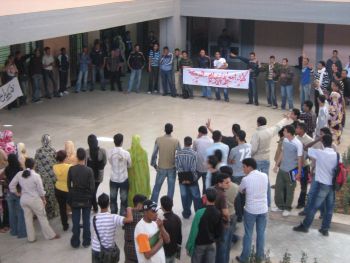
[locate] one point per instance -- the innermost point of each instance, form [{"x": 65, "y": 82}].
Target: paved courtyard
[{"x": 105, "y": 113}]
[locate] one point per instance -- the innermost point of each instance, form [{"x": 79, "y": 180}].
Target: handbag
[{"x": 107, "y": 255}]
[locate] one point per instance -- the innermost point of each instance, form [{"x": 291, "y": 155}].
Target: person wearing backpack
[{"x": 327, "y": 162}]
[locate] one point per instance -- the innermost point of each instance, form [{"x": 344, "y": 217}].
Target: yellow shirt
[{"x": 61, "y": 173}]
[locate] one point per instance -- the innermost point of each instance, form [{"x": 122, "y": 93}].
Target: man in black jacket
[{"x": 81, "y": 185}]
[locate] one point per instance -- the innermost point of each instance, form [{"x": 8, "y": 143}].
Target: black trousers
[
  {"x": 94, "y": 200},
  {"x": 62, "y": 197},
  {"x": 5, "y": 217},
  {"x": 115, "y": 78},
  {"x": 303, "y": 187},
  {"x": 63, "y": 75},
  {"x": 153, "y": 79},
  {"x": 240, "y": 199},
  {"x": 317, "y": 106}
]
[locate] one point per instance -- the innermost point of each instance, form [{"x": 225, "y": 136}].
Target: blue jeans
[
  {"x": 264, "y": 167},
  {"x": 322, "y": 194},
  {"x": 249, "y": 222},
  {"x": 287, "y": 93},
  {"x": 310, "y": 196},
  {"x": 101, "y": 73},
  {"x": 170, "y": 174},
  {"x": 37, "y": 78},
  {"x": 204, "y": 176},
  {"x": 123, "y": 189},
  {"x": 76, "y": 215},
  {"x": 83, "y": 75},
  {"x": 218, "y": 96},
  {"x": 271, "y": 93},
  {"x": 305, "y": 93},
  {"x": 167, "y": 82},
  {"x": 16, "y": 216},
  {"x": 190, "y": 193},
  {"x": 223, "y": 246},
  {"x": 253, "y": 91},
  {"x": 135, "y": 76},
  {"x": 206, "y": 92}
]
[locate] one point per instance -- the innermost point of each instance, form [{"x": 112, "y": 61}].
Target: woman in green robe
[{"x": 139, "y": 172}]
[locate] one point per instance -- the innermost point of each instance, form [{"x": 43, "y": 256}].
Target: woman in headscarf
[
  {"x": 71, "y": 153},
  {"x": 22, "y": 154},
  {"x": 96, "y": 159},
  {"x": 138, "y": 174},
  {"x": 45, "y": 158},
  {"x": 336, "y": 112}
]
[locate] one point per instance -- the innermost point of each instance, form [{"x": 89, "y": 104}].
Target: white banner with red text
[
  {"x": 221, "y": 78},
  {"x": 9, "y": 92}
]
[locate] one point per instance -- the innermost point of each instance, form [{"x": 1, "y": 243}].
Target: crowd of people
[
  {"x": 111, "y": 60},
  {"x": 234, "y": 174},
  {"x": 235, "y": 188}
]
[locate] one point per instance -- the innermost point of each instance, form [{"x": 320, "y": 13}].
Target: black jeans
[
  {"x": 48, "y": 74},
  {"x": 94, "y": 200},
  {"x": 240, "y": 199},
  {"x": 63, "y": 80},
  {"x": 153, "y": 79},
  {"x": 317, "y": 106},
  {"x": 4, "y": 221},
  {"x": 123, "y": 189},
  {"x": 115, "y": 78},
  {"x": 62, "y": 197},
  {"x": 303, "y": 187}
]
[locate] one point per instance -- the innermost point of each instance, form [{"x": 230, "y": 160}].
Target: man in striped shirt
[
  {"x": 153, "y": 69},
  {"x": 323, "y": 78},
  {"x": 186, "y": 166},
  {"x": 105, "y": 226}
]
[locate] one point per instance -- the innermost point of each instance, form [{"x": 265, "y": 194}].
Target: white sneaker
[
  {"x": 149, "y": 92},
  {"x": 285, "y": 213},
  {"x": 60, "y": 94},
  {"x": 65, "y": 92},
  {"x": 276, "y": 209}
]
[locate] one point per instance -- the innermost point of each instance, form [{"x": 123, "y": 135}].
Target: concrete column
[
  {"x": 172, "y": 30},
  {"x": 309, "y": 43},
  {"x": 319, "y": 41}
]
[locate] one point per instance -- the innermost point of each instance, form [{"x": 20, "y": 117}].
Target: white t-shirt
[
  {"x": 326, "y": 160},
  {"x": 255, "y": 185},
  {"x": 218, "y": 63},
  {"x": 106, "y": 224},
  {"x": 143, "y": 232},
  {"x": 47, "y": 60}
]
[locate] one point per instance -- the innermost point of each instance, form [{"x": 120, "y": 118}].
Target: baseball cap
[{"x": 150, "y": 205}]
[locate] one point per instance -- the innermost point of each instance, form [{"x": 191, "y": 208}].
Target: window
[{"x": 4, "y": 53}]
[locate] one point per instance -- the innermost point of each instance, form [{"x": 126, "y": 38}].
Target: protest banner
[
  {"x": 221, "y": 78},
  {"x": 9, "y": 92}
]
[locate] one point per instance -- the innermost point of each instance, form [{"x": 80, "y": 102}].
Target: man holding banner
[{"x": 220, "y": 63}]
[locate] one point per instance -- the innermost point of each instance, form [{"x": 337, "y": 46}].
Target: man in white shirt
[
  {"x": 220, "y": 63},
  {"x": 326, "y": 161},
  {"x": 120, "y": 162},
  {"x": 105, "y": 225},
  {"x": 200, "y": 145},
  {"x": 254, "y": 185},
  {"x": 218, "y": 145},
  {"x": 323, "y": 115},
  {"x": 150, "y": 235},
  {"x": 48, "y": 64},
  {"x": 289, "y": 165}
]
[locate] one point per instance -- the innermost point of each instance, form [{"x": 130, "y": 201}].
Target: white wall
[
  {"x": 316, "y": 11},
  {"x": 20, "y": 28}
]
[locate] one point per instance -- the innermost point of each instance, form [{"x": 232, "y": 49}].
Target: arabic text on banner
[{"x": 236, "y": 79}]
